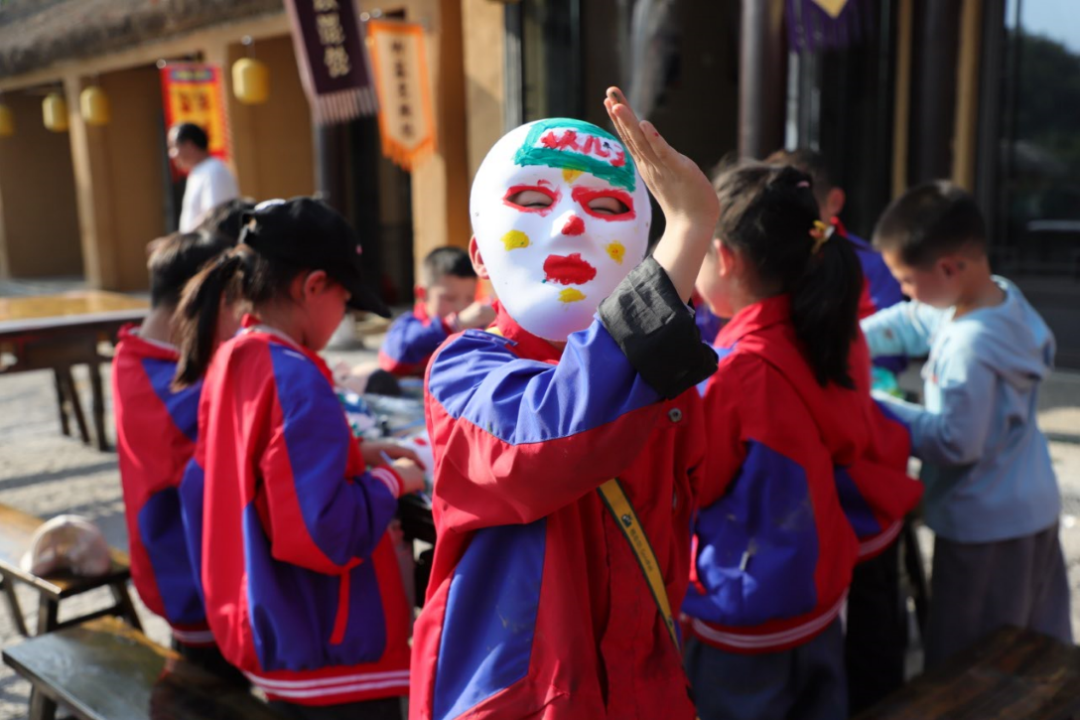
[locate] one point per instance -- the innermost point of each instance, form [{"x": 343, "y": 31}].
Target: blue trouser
[{"x": 804, "y": 683}]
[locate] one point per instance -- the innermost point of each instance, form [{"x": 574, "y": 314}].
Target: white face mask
[{"x": 582, "y": 223}]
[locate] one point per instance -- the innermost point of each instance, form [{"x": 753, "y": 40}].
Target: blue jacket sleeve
[
  {"x": 903, "y": 329},
  {"x": 516, "y": 439},
  {"x": 409, "y": 345},
  {"x": 956, "y": 432},
  {"x": 325, "y": 512}
]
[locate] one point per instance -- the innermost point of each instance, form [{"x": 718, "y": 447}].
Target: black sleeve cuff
[{"x": 656, "y": 331}]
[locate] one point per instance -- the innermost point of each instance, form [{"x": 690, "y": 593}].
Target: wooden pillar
[
  {"x": 440, "y": 200},
  {"x": 484, "y": 32},
  {"x": 90, "y": 161},
  {"x": 936, "y": 38},
  {"x": 762, "y": 78},
  {"x": 966, "y": 132},
  {"x": 902, "y": 98}
]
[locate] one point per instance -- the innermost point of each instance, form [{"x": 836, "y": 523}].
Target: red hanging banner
[{"x": 192, "y": 93}]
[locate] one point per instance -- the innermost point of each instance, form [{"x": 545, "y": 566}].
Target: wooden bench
[
  {"x": 1013, "y": 674},
  {"x": 106, "y": 670},
  {"x": 16, "y": 531}
]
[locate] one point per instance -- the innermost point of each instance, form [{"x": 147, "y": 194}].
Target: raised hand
[
  {"x": 688, "y": 200},
  {"x": 479, "y": 315}
]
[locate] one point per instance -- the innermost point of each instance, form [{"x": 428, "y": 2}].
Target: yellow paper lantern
[
  {"x": 94, "y": 104},
  {"x": 7, "y": 121},
  {"x": 251, "y": 81},
  {"x": 54, "y": 111}
]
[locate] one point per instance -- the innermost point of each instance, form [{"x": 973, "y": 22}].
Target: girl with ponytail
[
  {"x": 285, "y": 514},
  {"x": 805, "y": 476}
]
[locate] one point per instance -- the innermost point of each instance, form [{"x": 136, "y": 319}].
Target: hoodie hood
[{"x": 1011, "y": 338}]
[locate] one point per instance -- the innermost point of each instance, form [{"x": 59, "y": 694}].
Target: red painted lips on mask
[{"x": 568, "y": 269}]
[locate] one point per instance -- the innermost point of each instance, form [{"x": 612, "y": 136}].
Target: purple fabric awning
[{"x": 811, "y": 29}]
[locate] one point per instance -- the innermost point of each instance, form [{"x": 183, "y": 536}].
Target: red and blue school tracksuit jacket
[
  {"x": 801, "y": 481},
  {"x": 302, "y": 586},
  {"x": 537, "y": 606},
  {"x": 156, "y": 428},
  {"x": 411, "y": 341},
  {"x": 880, "y": 290}
]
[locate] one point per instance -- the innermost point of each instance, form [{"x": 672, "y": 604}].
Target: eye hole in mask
[
  {"x": 611, "y": 205},
  {"x": 530, "y": 199}
]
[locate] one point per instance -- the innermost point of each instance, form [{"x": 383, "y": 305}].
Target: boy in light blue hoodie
[{"x": 992, "y": 499}]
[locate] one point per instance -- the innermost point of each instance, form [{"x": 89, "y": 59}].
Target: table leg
[
  {"x": 48, "y": 614},
  {"x": 61, "y": 403},
  {"x": 98, "y": 407},
  {"x": 41, "y": 706},
  {"x": 13, "y": 606},
  {"x": 125, "y": 606},
  {"x": 76, "y": 405}
]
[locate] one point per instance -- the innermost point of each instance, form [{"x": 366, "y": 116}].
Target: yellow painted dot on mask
[
  {"x": 515, "y": 240},
  {"x": 570, "y": 175},
  {"x": 570, "y": 295},
  {"x": 616, "y": 251}
]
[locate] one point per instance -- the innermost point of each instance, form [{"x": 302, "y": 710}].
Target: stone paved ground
[{"x": 43, "y": 473}]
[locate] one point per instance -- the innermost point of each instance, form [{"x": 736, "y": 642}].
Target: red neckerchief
[
  {"x": 252, "y": 324},
  {"x": 762, "y": 314},
  {"x": 527, "y": 345},
  {"x": 840, "y": 229}
]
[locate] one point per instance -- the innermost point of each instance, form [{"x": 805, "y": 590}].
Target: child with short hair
[
  {"x": 992, "y": 498},
  {"x": 156, "y": 428},
  {"x": 802, "y": 464},
  {"x": 565, "y": 430},
  {"x": 287, "y": 529},
  {"x": 445, "y": 304}
]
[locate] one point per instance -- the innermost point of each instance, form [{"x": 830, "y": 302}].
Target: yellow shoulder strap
[{"x": 614, "y": 497}]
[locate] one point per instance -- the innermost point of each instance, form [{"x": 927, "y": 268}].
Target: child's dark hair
[
  {"x": 238, "y": 275},
  {"x": 177, "y": 260},
  {"x": 444, "y": 261},
  {"x": 810, "y": 162},
  {"x": 227, "y": 219},
  {"x": 192, "y": 133},
  {"x": 929, "y": 221},
  {"x": 769, "y": 215}
]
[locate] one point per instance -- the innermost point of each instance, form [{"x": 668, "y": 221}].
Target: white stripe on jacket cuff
[{"x": 390, "y": 479}]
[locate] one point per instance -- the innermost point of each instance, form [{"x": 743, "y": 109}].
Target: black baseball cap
[{"x": 308, "y": 233}]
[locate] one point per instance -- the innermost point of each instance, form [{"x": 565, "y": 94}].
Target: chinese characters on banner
[
  {"x": 406, "y": 119},
  {"x": 192, "y": 93},
  {"x": 330, "y": 50}
]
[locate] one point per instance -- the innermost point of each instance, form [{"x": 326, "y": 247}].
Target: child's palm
[{"x": 677, "y": 183}]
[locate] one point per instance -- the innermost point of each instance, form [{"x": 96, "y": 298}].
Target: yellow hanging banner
[
  {"x": 832, "y": 7},
  {"x": 406, "y": 115}
]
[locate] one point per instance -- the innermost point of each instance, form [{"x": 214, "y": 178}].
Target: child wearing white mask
[{"x": 567, "y": 438}]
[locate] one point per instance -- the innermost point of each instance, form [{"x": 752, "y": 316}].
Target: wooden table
[
  {"x": 1013, "y": 674},
  {"x": 106, "y": 670},
  {"x": 55, "y": 332}
]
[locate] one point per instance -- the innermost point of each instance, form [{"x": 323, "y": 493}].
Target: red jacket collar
[
  {"x": 420, "y": 312},
  {"x": 253, "y": 325},
  {"x": 750, "y": 319},
  {"x": 840, "y": 229},
  {"x": 129, "y": 335},
  {"x": 528, "y": 345}
]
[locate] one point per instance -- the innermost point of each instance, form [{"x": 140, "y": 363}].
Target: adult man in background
[{"x": 209, "y": 181}]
